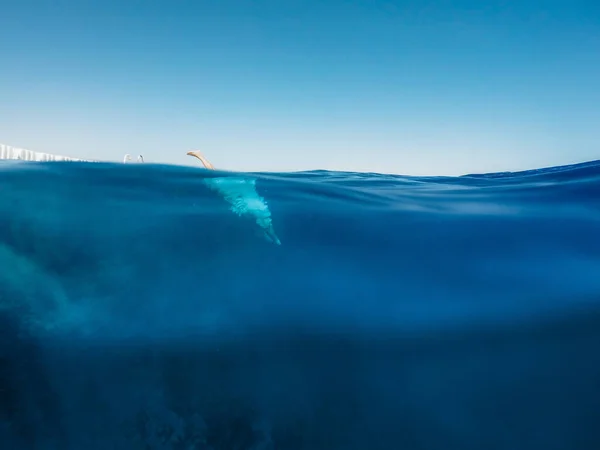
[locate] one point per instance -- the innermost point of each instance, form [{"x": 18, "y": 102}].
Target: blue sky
[{"x": 413, "y": 87}]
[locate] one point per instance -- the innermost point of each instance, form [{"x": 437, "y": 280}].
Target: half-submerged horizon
[
  {"x": 137, "y": 312},
  {"x": 8, "y": 152}
]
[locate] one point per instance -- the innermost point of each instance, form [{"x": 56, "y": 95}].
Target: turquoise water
[{"x": 163, "y": 307}]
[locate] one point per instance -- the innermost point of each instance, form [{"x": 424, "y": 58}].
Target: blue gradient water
[{"x": 162, "y": 307}]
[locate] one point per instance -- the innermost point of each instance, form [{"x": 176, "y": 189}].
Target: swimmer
[{"x": 205, "y": 162}]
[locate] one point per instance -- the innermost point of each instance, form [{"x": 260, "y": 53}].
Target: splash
[{"x": 244, "y": 199}]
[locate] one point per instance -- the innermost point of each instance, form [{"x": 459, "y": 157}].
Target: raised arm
[{"x": 202, "y": 159}]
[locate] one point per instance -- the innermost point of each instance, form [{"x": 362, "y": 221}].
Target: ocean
[{"x": 147, "y": 307}]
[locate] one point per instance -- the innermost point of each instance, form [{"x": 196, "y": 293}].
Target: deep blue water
[{"x": 160, "y": 307}]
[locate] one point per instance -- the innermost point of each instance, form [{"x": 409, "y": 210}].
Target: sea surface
[{"x": 154, "y": 307}]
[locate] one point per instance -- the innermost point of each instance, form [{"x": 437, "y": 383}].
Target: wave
[{"x": 164, "y": 307}]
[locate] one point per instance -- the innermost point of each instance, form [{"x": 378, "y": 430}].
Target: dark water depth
[{"x": 159, "y": 307}]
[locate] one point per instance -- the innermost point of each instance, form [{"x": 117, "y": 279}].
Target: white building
[{"x": 8, "y": 152}]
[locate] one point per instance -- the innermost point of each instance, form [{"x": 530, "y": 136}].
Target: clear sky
[{"x": 412, "y": 87}]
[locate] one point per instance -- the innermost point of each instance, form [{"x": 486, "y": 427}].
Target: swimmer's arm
[{"x": 202, "y": 159}]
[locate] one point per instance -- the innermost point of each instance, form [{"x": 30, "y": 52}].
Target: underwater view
[{"x": 151, "y": 307}]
